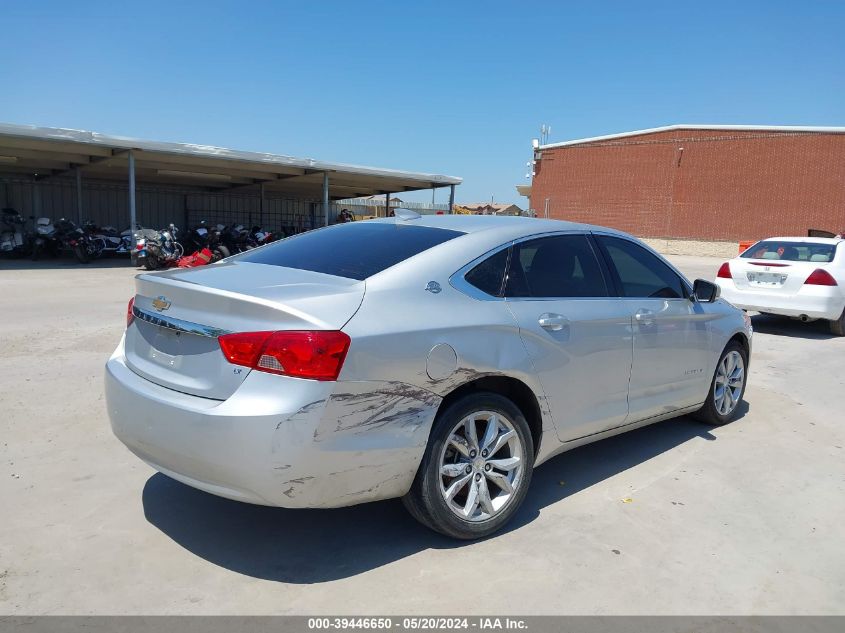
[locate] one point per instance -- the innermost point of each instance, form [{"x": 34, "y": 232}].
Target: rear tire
[
  {"x": 469, "y": 487},
  {"x": 219, "y": 252},
  {"x": 837, "y": 327},
  {"x": 727, "y": 387},
  {"x": 151, "y": 262},
  {"x": 81, "y": 254}
]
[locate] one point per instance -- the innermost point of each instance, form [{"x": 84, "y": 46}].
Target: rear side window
[
  {"x": 791, "y": 251},
  {"x": 641, "y": 274},
  {"x": 489, "y": 275},
  {"x": 354, "y": 250},
  {"x": 557, "y": 266}
]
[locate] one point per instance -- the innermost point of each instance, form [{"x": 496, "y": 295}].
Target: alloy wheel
[
  {"x": 481, "y": 466},
  {"x": 727, "y": 387}
]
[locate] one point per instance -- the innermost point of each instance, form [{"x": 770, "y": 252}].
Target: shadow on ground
[
  {"x": 65, "y": 262},
  {"x": 312, "y": 546},
  {"x": 784, "y": 326}
]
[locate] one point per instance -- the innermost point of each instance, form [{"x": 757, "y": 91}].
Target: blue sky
[{"x": 455, "y": 87}]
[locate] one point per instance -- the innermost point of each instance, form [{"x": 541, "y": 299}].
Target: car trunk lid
[
  {"x": 180, "y": 313},
  {"x": 768, "y": 276}
]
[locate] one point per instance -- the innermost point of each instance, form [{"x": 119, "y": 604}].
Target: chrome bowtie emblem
[
  {"x": 161, "y": 303},
  {"x": 433, "y": 287}
]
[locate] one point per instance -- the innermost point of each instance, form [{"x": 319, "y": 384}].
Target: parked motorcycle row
[
  {"x": 47, "y": 237},
  {"x": 200, "y": 245},
  {"x": 154, "y": 249}
]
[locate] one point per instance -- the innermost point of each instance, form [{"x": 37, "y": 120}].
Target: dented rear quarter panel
[{"x": 399, "y": 322}]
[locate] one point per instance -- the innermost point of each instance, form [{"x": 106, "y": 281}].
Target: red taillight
[
  {"x": 724, "y": 271},
  {"x": 820, "y": 277},
  {"x": 316, "y": 355},
  {"x": 129, "y": 315}
]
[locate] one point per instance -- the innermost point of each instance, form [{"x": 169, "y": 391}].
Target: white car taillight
[{"x": 820, "y": 277}]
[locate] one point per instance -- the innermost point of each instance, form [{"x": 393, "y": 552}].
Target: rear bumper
[
  {"x": 277, "y": 440},
  {"x": 815, "y": 302}
]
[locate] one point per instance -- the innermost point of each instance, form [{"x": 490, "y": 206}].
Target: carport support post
[
  {"x": 79, "y": 195},
  {"x": 132, "y": 216},
  {"x": 387, "y": 205},
  {"x": 325, "y": 198},
  {"x": 451, "y": 199},
  {"x": 263, "y": 205}
]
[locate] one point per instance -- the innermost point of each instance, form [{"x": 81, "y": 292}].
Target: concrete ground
[{"x": 676, "y": 518}]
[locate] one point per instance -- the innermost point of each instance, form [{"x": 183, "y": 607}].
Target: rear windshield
[
  {"x": 355, "y": 250},
  {"x": 791, "y": 251}
]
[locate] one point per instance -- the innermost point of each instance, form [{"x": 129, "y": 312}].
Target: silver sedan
[{"x": 438, "y": 359}]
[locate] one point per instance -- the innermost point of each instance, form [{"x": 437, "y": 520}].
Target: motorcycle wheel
[
  {"x": 151, "y": 262},
  {"x": 36, "y": 251},
  {"x": 220, "y": 252},
  {"x": 81, "y": 254},
  {"x": 97, "y": 247}
]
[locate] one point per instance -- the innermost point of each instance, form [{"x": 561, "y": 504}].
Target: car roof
[
  {"x": 505, "y": 227},
  {"x": 810, "y": 240}
]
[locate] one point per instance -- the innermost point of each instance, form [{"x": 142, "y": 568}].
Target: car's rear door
[
  {"x": 576, "y": 334},
  {"x": 673, "y": 360}
]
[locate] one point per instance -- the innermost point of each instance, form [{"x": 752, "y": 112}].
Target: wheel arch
[
  {"x": 743, "y": 341},
  {"x": 511, "y": 388}
]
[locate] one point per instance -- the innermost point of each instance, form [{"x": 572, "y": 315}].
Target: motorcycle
[
  {"x": 235, "y": 239},
  {"x": 202, "y": 237},
  {"x": 12, "y": 237},
  {"x": 259, "y": 237},
  {"x": 160, "y": 249},
  {"x": 138, "y": 255},
  {"x": 70, "y": 236},
  {"x": 109, "y": 238},
  {"x": 45, "y": 238}
]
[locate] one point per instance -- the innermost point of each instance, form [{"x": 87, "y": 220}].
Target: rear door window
[
  {"x": 558, "y": 266},
  {"x": 641, "y": 273},
  {"x": 354, "y": 250}
]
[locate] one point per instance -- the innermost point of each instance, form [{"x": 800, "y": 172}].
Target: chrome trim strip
[{"x": 179, "y": 325}]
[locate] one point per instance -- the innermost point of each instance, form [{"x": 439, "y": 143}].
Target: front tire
[
  {"x": 837, "y": 327},
  {"x": 476, "y": 469},
  {"x": 727, "y": 387},
  {"x": 81, "y": 254}
]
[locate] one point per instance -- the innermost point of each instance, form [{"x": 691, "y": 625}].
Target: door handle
[
  {"x": 552, "y": 322},
  {"x": 644, "y": 316}
]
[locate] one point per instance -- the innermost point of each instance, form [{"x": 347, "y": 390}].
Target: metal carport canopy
[{"x": 43, "y": 152}]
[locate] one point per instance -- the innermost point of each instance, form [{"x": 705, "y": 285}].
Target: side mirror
[{"x": 705, "y": 291}]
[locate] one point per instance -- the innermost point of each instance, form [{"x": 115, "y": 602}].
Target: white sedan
[{"x": 798, "y": 277}]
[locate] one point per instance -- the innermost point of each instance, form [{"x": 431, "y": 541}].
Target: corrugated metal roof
[
  {"x": 191, "y": 150},
  {"x": 669, "y": 128}
]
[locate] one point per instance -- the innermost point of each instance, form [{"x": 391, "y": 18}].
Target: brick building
[{"x": 697, "y": 182}]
